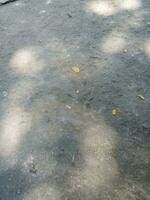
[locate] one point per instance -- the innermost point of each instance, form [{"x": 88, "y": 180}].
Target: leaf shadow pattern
[{"x": 76, "y": 149}]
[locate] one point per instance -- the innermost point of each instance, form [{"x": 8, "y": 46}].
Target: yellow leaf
[
  {"x": 77, "y": 91},
  {"x": 141, "y": 97},
  {"x": 76, "y": 69},
  {"x": 114, "y": 112}
]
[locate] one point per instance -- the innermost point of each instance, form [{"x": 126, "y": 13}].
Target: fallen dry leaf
[
  {"x": 77, "y": 91},
  {"x": 114, "y": 112},
  {"x": 141, "y": 97},
  {"x": 76, "y": 69}
]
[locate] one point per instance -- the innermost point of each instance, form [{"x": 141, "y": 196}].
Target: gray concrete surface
[{"x": 59, "y": 145}]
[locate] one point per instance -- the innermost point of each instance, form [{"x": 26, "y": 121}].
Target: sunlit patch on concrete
[
  {"x": 26, "y": 61},
  {"x": 44, "y": 192},
  {"x": 98, "y": 147},
  {"x": 99, "y": 167},
  {"x": 14, "y": 126},
  {"x": 48, "y": 1},
  {"x": 111, "y": 7},
  {"x": 147, "y": 47},
  {"x": 113, "y": 43},
  {"x": 101, "y": 7},
  {"x": 129, "y": 4}
]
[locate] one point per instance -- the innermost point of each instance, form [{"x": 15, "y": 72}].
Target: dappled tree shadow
[{"x": 63, "y": 145}]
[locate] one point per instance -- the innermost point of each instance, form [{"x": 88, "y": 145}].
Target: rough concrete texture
[{"x": 59, "y": 145}]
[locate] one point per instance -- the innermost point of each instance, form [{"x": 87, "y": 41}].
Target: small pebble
[
  {"x": 5, "y": 94},
  {"x": 148, "y": 23},
  {"x": 42, "y": 12},
  {"x": 77, "y": 91},
  {"x": 67, "y": 106},
  {"x": 33, "y": 169}
]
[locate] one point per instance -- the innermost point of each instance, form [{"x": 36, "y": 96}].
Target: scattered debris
[
  {"x": 18, "y": 192},
  {"x": 76, "y": 69},
  {"x": 94, "y": 57},
  {"x": 69, "y": 15},
  {"x": 141, "y": 97},
  {"x": 88, "y": 105},
  {"x": 33, "y": 169}
]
